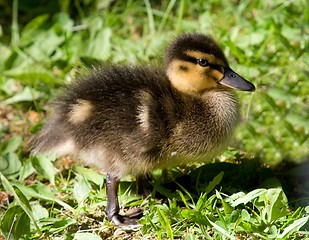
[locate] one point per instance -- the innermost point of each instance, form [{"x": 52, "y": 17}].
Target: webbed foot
[{"x": 129, "y": 219}]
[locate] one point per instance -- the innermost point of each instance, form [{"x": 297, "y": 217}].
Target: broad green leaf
[
  {"x": 275, "y": 204},
  {"x": 39, "y": 212},
  {"x": 15, "y": 223},
  {"x": 245, "y": 215},
  {"x": 27, "y": 94},
  {"x": 10, "y": 164},
  {"x": 91, "y": 175},
  {"x": 221, "y": 230},
  {"x": 227, "y": 207},
  {"x": 100, "y": 47},
  {"x": 32, "y": 76},
  {"x": 194, "y": 216},
  {"x": 294, "y": 227},
  {"x": 20, "y": 199},
  {"x": 41, "y": 191},
  {"x": 9, "y": 86},
  {"x": 44, "y": 165},
  {"x": 26, "y": 170},
  {"x": 248, "y": 197},
  {"x": 81, "y": 190},
  {"x": 47, "y": 42},
  {"x": 32, "y": 29},
  {"x": 13, "y": 144}
]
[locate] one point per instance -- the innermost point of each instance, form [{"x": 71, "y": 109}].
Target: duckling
[{"x": 130, "y": 120}]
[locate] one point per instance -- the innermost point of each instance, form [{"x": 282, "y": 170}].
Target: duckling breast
[{"x": 205, "y": 127}]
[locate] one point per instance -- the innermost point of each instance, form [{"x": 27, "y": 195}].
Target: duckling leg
[
  {"x": 143, "y": 185},
  {"x": 112, "y": 208}
]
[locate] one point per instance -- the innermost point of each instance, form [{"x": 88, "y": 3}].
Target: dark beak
[{"x": 233, "y": 80}]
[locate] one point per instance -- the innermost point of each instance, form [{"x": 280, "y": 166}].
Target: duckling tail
[{"x": 53, "y": 138}]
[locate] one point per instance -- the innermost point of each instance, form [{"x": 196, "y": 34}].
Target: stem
[{"x": 14, "y": 31}]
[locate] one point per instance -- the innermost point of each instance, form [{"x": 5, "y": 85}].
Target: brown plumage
[{"x": 132, "y": 120}]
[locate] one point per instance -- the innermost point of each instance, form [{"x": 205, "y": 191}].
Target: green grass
[{"x": 46, "y": 45}]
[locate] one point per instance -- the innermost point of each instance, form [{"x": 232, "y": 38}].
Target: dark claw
[
  {"x": 130, "y": 218},
  {"x": 134, "y": 213}
]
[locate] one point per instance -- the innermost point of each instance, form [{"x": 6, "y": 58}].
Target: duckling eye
[{"x": 203, "y": 62}]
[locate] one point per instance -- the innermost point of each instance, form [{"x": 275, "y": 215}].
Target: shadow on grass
[{"x": 247, "y": 175}]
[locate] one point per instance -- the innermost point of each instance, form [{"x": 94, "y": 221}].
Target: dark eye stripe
[
  {"x": 188, "y": 59},
  {"x": 194, "y": 60},
  {"x": 217, "y": 67}
]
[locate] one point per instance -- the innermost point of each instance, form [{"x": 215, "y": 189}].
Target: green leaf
[
  {"x": 245, "y": 215},
  {"x": 28, "y": 94},
  {"x": 44, "y": 165},
  {"x": 100, "y": 47},
  {"x": 91, "y": 175},
  {"x": 39, "y": 212},
  {"x": 31, "y": 29},
  {"x": 40, "y": 191},
  {"x": 194, "y": 216},
  {"x": 221, "y": 230},
  {"x": 165, "y": 224},
  {"x": 183, "y": 198},
  {"x": 9, "y": 86},
  {"x": 201, "y": 202},
  {"x": 10, "y": 164},
  {"x": 275, "y": 205},
  {"x": 294, "y": 227},
  {"x": 228, "y": 209},
  {"x": 20, "y": 199},
  {"x": 13, "y": 144},
  {"x": 248, "y": 197},
  {"x": 54, "y": 225},
  {"x": 33, "y": 76},
  {"x": 217, "y": 179},
  {"x": 15, "y": 223},
  {"x": 26, "y": 170},
  {"x": 81, "y": 190}
]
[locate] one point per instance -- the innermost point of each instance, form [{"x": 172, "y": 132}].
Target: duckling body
[{"x": 132, "y": 120}]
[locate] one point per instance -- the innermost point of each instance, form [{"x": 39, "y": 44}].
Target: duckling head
[{"x": 195, "y": 63}]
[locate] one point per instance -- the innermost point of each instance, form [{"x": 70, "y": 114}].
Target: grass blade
[
  {"x": 294, "y": 227},
  {"x": 20, "y": 199},
  {"x": 165, "y": 224}
]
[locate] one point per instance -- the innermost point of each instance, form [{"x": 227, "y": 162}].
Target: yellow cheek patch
[
  {"x": 189, "y": 77},
  {"x": 215, "y": 74},
  {"x": 80, "y": 111}
]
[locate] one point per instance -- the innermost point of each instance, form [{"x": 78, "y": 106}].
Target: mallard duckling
[{"x": 131, "y": 120}]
